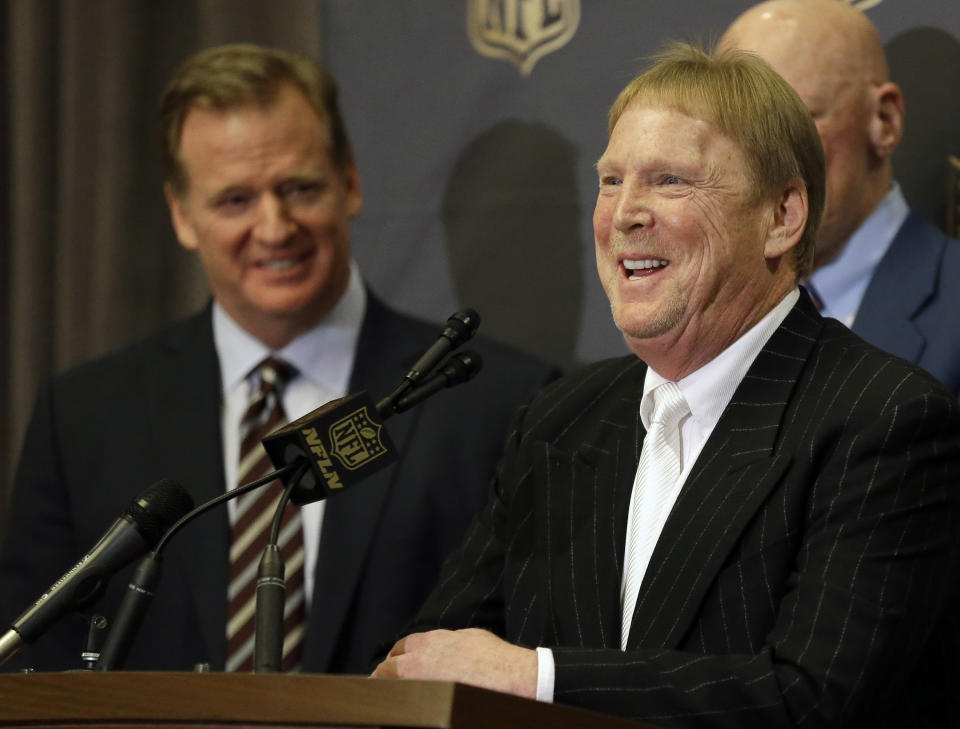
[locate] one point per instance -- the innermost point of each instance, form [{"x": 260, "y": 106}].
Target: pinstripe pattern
[{"x": 805, "y": 576}]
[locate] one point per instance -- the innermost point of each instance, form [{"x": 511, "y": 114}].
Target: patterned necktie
[
  {"x": 657, "y": 474},
  {"x": 251, "y": 530}
]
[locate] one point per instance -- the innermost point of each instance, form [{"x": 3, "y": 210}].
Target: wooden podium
[{"x": 131, "y": 700}]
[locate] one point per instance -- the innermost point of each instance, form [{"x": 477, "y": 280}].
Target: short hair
[
  {"x": 227, "y": 76},
  {"x": 748, "y": 101}
]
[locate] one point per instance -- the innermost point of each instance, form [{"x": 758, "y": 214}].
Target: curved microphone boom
[
  {"x": 310, "y": 465},
  {"x": 145, "y": 577},
  {"x": 130, "y": 536}
]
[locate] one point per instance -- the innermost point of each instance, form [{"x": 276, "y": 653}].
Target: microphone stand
[
  {"x": 144, "y": 580},
  {"x": 272, "y": 592},
  {"x": 271, "y": 589}
]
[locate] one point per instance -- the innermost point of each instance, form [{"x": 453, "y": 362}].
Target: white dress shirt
[
  {"x": 707, "y": 391},
  {"x": 324, "y": 360},
  {"x": 841, "y": 284}
]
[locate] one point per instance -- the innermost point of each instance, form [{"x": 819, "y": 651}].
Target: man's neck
[{"x": 677, "y": 354}]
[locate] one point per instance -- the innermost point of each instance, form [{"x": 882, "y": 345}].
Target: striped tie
[
  {"x": 660, "y": 467},
  {"x": 251, "y": 530}
]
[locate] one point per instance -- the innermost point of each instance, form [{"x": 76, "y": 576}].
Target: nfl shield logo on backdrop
[{"x": 521, "y": 31}]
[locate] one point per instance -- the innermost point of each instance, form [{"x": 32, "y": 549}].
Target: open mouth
[
  {"x": 635, "y": 269},
  {"x": 283, "y": 264}
]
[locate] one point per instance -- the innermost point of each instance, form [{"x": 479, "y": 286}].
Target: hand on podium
[{"x": 471, "y": 656}]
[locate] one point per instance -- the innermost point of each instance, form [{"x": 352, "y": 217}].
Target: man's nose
[
  {"x": 274, "y": 225},
  {"x": 632, "y": 209}
]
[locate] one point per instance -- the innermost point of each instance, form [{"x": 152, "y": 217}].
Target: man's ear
[
  {"x": 789, "y": 220},
  {"x": 181, "y": 221},
  {"x": 886, "y": 120}
]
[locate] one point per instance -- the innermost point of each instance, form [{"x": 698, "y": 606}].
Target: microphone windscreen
[
  {"x": 158, "y": 508},
  {"x": 462, "y": 366},
  {"x": 461, "y": 326}
]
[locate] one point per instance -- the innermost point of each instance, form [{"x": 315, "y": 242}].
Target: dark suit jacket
[
  {"x": 104, "y": 431},
  {"x": 803, "y": 578},
  {"x": 911, "y": 307}
]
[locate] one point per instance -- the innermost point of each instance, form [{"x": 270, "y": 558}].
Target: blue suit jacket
[{"x": 911, "y": 307}]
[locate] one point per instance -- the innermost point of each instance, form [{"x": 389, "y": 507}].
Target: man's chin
[{"x": 638, "y": 326}]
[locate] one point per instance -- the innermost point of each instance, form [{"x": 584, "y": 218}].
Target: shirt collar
[
  {"x": 709, "y": 389},
  {"x": 841, "y": 283},
  {"x": 324, "y": 355}
]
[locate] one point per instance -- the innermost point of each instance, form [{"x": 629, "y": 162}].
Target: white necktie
[{"x": 657, "y": 474}]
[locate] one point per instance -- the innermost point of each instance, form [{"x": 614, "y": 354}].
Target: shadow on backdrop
[
  {"x": 925, "y": 62},
  {"x": 511, "y": 215}
]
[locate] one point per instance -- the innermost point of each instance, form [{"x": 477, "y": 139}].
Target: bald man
[{"x": 882, "y": 269}]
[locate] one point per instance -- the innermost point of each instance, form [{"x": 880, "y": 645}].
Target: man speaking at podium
[
  {"x": 261, "y": 184},
  {"x": 753, "y": 521}
]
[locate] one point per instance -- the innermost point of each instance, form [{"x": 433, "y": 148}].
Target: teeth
[
  {"x": 279, "y": 265},
  {"x": 645, "y": 263}
]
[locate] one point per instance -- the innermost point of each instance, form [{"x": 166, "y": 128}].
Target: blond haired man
[{"x": 749, "y": 521}]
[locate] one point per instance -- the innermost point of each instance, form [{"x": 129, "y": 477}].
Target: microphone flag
[{"x": 344, "y": 441}]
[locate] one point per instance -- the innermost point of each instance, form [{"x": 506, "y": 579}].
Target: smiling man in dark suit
[
  {"x": 261, "y": 184},
  {"x": 750, "y": 523}
]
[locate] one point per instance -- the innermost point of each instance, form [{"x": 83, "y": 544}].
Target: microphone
[
  {"x": 144, "y": 579},
  {"x": 271, "y": 596},
  {"x": 130, "y": 536},
  {"x": 328, "y": 449},
  {"x": 460, "y": 367},
  {"x": 460, "y": 327},
  {"x": 345, "y": 441}
]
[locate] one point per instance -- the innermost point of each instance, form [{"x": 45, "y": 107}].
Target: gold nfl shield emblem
[
  {"x": 355, "y": 439},
  {"x": 521, "y": 31}
]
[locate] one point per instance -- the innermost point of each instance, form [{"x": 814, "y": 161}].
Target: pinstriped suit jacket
[{"x": 805, "y": 576}]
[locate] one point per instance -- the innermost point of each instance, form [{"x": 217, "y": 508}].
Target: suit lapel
[
  {"x": 580, "y": 515},
  {"x": 351, "y": 519},
  {"x": 184, "y": 402},
  {"x": 729, "y": 482},
  {"x": 897, "y": 293}
]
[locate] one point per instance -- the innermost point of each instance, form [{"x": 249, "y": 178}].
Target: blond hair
[{"x": 746, "y": 100}]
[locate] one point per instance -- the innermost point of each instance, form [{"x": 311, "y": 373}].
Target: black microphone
[
  {"x": 272, "y": 591},
  {"x": 460, "y": 327},
  {"x": 458, "y": 368},
  {"x": 130, "y": 536},
  {"x": 345, "y": 441},
  {"x": 143, "y": 581}
]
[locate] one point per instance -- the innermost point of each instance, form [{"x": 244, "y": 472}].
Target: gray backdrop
[
  {"x": 478, "y": 178},
  {"x": 479, "y": 181}
]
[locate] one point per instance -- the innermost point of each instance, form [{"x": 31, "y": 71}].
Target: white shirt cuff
[{"x": 545, "y": 675}]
